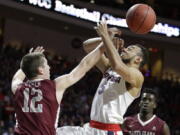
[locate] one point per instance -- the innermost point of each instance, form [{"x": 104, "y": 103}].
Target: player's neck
[
  {"x": 145, "y": 116},
  {"x": 38, "y": 77},
  {"x": 133, "y": 65}
]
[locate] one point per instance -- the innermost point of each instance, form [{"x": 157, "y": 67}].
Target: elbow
[
  {"x": 84, "y": 44},
  {"x": 85, "y": 47}
]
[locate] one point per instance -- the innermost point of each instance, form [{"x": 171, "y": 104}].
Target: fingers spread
[
  {"x": 38, "y": 49},
  {"x": 30, "y": 51}
]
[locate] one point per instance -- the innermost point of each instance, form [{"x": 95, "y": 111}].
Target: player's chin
[
  {"x": 125, "y": 58},
  {"x": 122, "y": 56},
  {"x": 145, "y": 109}
]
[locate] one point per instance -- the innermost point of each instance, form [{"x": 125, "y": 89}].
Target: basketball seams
[
  {"x": 133, "y": 16},
  {"x": 141, "y": 24},
  {"x": 140, "y": 18},
  {"x": 154, "y": 18}
]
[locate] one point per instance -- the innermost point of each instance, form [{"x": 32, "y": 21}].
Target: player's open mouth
[
  {"x": 145, "y": 106},
  {"x": 123, "y": 53}
]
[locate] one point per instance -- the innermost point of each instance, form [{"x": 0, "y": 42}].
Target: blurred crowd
[
  {"x": 163, "y": 8},
  {"x": 77, "y": 100}
]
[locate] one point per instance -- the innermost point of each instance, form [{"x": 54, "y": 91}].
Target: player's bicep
[
  {"x": 133, "y": 76},
  {"x": 14, "y": 85},
  {"x": 67, "y": 80},
  {"x": 138, "y": 78}
]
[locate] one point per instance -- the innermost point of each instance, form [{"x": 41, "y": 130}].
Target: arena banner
[{"x": 95, "y": 15}]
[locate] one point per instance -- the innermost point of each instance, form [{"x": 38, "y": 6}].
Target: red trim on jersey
[{"x": 105, "y": 126}]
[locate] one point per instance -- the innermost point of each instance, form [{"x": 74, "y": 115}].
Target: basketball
[{"x": 140, "y": 18}]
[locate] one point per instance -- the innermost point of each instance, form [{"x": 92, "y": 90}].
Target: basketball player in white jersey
[{"x": 120, "y": 85}]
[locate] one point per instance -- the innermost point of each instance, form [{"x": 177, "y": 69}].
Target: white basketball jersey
[{"x": 111, "y": 99}]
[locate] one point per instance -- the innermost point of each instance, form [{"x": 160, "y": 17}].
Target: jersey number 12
[{"x": 30, "y": 105}]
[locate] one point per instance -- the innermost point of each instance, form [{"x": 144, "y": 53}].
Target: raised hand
[
  {"x": 102, "y": 29},
  {"x": 113, "y": 33},
  {"x": 38, "y": 49}
]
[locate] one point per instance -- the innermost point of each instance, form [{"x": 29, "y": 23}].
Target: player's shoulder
[
  {"x": 48, "y": 82},
  {"x": 17, "y": 88},
  {"x": 39, "y": 83},
  {"x": 161, "y": 124},
  {"x": 136, "y": 72},
  {"x": 159, "y": 120},
  {"x": 138, "y": 76}
]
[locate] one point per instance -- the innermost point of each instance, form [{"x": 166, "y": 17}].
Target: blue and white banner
[{"x": 95, "y": 16}]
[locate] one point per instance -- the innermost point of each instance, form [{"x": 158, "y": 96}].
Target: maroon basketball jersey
[
  {"x": 135, "y": 126},
  {"x": 36, "y": 108}
]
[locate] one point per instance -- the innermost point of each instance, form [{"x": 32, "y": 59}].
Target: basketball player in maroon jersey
[
  {"x": 37, "y": 100},
  {"x": 146, "y": 122}
]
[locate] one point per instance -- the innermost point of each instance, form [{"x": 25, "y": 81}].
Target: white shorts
[{"x": 85, "y": 130}]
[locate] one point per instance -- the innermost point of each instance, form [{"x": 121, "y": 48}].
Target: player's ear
[
  {"x": 138, "y": 59},
  {"x": 40, "y": 70}
]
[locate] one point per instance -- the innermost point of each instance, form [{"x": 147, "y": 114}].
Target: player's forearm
[
  {"x": 77, "y": 73},
  {"x": 91, "y": 44},
  {"x": 112, "y": 52},
  {"x": 115, "y": 60},
  {"x": 93, "y": 57},
  {"x": 19, "y": 75}
]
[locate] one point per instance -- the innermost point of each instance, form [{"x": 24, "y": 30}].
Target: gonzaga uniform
[
  {"x": 36, "y": 108},
  {"x": 135, "y": 126},
  {"x": 109, "y": 105}
]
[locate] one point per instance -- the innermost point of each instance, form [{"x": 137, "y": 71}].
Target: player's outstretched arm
[
  {"x": 90, "y": 44},
  {"x": 19, "y": 76},
  {"x": 166, "y": 130},
  {"x": 65, "y": 81},
  {"x": 131, "y": 75}
]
